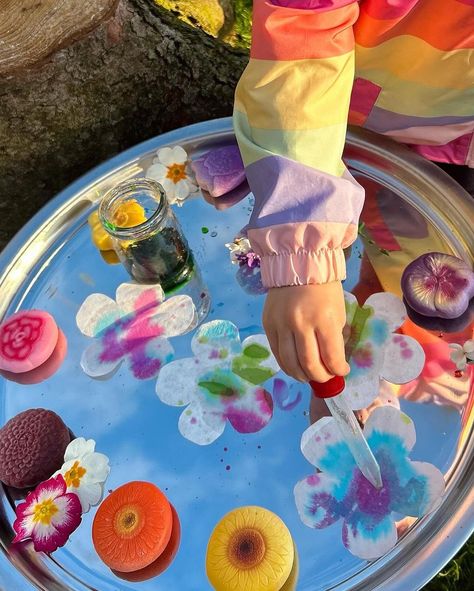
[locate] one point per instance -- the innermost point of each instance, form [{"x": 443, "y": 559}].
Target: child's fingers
[
  {"x": 289, "y": 357},
  {"x": 309, "y": 357},
  {"x": 272, "y": 337},
  {"x": 331, "y": 348}
]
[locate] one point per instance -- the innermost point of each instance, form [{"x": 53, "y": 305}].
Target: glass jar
[{"x": 145, "y": 233}]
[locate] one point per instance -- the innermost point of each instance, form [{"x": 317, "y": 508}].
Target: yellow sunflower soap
[{"x": 250, "y": 549}]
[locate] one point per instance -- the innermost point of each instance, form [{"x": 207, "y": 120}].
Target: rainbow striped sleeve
[{"x": 290, "y": 119}]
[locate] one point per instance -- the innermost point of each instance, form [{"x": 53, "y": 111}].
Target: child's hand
[{"x": 304, "y": 325}]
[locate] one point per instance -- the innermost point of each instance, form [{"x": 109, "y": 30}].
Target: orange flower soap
[
  {"x": 250, "y": 549},
  {"x": 162, "y": 562},
  {"x": 132, "y": 527}
]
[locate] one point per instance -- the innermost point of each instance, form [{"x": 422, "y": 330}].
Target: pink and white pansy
[
  {"x": 48, "y": 516},
  {"x": 223, "y": 382},
  {"x": 373, "y": 349},
  {"x": 341, "y": 492},
  {"x": 85, "y": 472},
  {"x": 133, "y": 328}
]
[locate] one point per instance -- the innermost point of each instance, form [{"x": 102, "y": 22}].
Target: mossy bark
[{"x": 138, "y": 74}]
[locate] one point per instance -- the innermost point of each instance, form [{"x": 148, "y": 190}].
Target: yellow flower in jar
[{"x": 127, "y": 215}]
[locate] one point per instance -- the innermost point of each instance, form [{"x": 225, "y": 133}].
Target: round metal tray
[{"x": 51, "y": 264}]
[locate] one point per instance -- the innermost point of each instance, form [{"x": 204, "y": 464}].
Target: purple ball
[{"x": 437, "y": 284}]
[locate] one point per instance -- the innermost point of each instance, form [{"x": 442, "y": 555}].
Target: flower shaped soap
[
  {"x": 340, "y": 491},
  {"x": 251, "y": 549},
  {"x": 136, "y": 531},
  {"x": 374, "y": 351},
  {"x": 48, "y": 516},
  {"x": 438, "y": 284},
  {"x": 135, "y": 328},
  {"x": 221, "y": 383},
  {"x": 32, "y": 446},
  {"x": 32, "y": 347},
  {"x": 219, "y": 171},
  {"x": 85, "y": 472}
]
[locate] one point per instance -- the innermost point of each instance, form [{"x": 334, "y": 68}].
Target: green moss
[
  {"x": 205, "y": 14},
  {"x": 458, "y": 574},
  {"x": 209, "y": 16},
  {"x": 241, "y": 31}
]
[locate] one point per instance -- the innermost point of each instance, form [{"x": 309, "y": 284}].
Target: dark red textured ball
[{"x": 32, "y": 446}]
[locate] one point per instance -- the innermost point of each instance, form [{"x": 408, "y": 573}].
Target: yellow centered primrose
[
  {"x": 48, "y": 516},
  {"x": 85, "y": 472},
  {"x": 43, "y": 512},
  {"x": 73, "y": 475}
]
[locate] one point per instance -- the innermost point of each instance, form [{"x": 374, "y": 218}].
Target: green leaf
[
  {"x": 217, "y": 388},
  {"x": 255, "y": 351},
  {"x": 254, "y": 375}
]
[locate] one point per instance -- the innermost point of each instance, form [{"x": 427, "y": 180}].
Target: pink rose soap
[{"x": 32, "y": 347}]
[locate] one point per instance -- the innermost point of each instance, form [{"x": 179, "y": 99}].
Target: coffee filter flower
[
  {"x": 135, "y": 327},
  {"x": 341, "y": 492},
  {"x": 223, "y": 382},
  {"x": 374, "y": 350}
]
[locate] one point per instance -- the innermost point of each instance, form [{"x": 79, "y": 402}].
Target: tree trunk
[{"x": 140, "y": 72}]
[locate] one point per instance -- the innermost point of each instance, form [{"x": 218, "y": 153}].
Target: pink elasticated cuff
[{"x": 303, "y": 267}]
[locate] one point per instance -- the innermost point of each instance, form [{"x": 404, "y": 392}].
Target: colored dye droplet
[
  {"x": 205, "y": 230},
  {"x": 227, "y": 468},
  {"x": 458, "y": 373}
]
